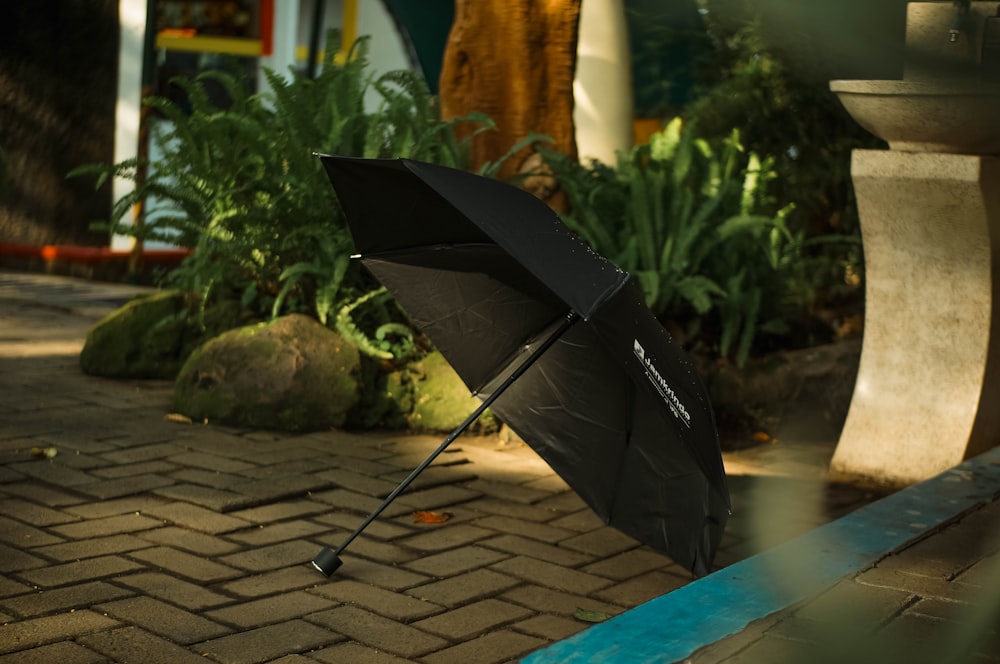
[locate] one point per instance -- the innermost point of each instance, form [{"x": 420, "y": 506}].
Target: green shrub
[
  {"x": 239, "y": 181},
  {"x": 693, "y": 221}
]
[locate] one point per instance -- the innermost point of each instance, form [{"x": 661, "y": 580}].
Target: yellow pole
[{"x": 348, "y": 30}]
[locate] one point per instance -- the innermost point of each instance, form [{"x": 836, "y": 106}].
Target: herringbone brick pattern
[{"x": 128, "y": 537}]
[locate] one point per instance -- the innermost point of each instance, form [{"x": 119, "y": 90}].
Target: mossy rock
[
  {"x": 440, "y": 400},
  {"x": 151, "y": 336},
  {"x": 292, "y": 374},
  {"x": 386, "y": 397}
]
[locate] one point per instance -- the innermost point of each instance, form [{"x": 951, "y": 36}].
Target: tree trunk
[{"x": 513, "y": 60}]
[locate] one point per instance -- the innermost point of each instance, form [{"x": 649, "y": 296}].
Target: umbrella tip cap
[{"x": 327, "y": 562}]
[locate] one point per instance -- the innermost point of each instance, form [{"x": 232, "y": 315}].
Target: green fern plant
[
  {"x": 239, "y": 183},
  {"x": 693, "y": 222}
]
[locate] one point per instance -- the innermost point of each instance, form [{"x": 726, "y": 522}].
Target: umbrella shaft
[{"x": 570, "y": 319}]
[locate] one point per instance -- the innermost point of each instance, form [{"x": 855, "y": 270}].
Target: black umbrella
[{"x": 520, "y": 306}]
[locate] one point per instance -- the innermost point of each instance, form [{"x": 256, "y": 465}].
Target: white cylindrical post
[{"x": 602, "y": 89}]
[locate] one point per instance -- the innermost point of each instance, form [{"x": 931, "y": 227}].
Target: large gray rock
[
  {"x": 440, "y": 400},
  {"x": 292, "y": 374},
  {"x": 151, "y": 337}
]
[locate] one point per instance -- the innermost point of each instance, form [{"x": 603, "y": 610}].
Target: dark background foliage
[{"x": 58, "y": 84}]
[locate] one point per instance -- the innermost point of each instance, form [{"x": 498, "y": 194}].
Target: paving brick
[
  {"x": 164, "y": 619},
  {"x": 143, "y": 453},
  {"x": 286, "y": 487},
  {"x": 551, "y": 483},
  {"x": 40, "y": 631},
  {"x": 134, "y": 469},
  {"x": 180, "y": 538},
  {"x": 551, "y": 575},
  {"x": 942, "y": 608},
  {"x": 53, "y": 473},
  {"x": 110, "y": 525},
  {"x": 472, "y": 619},
  {"x": 981, "y": 575},
  {"x": 547, "y": 600},
  {"x": 552, "y": 628},
  {"x": 127, "y": 505},
  {"x": 439, "y": 538},
  {"x": 383, "y": 576},
  {"x": 355, "y": 653},
  {"x": 630, "y": 564},
  {"x": 80, "y": 461},
  {"x": 502, "y": 646},
  {"x": 269, "y": 610},
  {"x": 267, "y": 514},
  {"x": 293, "y": 659},
  {"x": 266, "y": 643},
  {"x": 508, "y": 492},
  {"x": 133, "y": 644},
  {"x": 9, "y": 587},
  {"x": 66, "y": 652},
  {"x": 566, "y": 503},
  {"x": 378, "y": 632},
  {"x": 277, "y": 532},
  {"x": 381, "y": 551},
  {"x": 582, "y": 521},
  {"x": 643, "y": 588},
  {"x": 370, "y": 486},
  {"x": 275, "y": 556},
  {"x": 176, "y": 591},
  {"x": 517, "y": 545},
  {"x": 76, "y": 572},
  {"x": 363, "y": 504},
  {"x": 499, "y": 507},
  {"x": 8, "y": 475},
  {"x": 456, "y": 561},
  {"x": 42, "y": 494},
  {"x": 278, "y": 581},
  {"x": 185, "y": 564},
  {"x": 923, "y": 586},
  {"x": 437, "y": 497},
  {"x": 24, "y": 536},
  {"x": 33, "y": 513},
  {"x": 775, "y": 649},
  {"x": 62, "y": 599},
  {"x": 381, "y": 528},
  {"x": 212, "y": 462},
  {"x": 603, "y": 542},
  {"x": 207, "y": 478},
  {"x": 539, "y": 531},
  {"x": 15, "y": 560},
  {"x": 464, "y": 588},
  {"x": 282, "y": 453},
  {"x": 197, "y": 518},
  {"x": 124, "y": 486},
  {"x": 214, "y": 499},
  {"x": 90, "y": 548},
  {"x": 383, "y": 602},
  {"x": 365, "y": 466},
  {"x": 850, "y": 602}
]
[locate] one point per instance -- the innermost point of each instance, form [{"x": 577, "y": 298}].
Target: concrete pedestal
[{"x": 928, "y": 389}]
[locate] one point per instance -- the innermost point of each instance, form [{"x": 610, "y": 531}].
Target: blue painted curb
[{"x": 673, "y": 626}]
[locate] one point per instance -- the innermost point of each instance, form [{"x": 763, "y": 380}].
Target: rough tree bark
[{"x": 513, "y": 60}]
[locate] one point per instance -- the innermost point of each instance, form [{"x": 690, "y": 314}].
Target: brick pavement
[{"x": 147, "y": 540}]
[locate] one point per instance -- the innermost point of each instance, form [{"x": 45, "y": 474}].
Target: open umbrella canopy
[{"x": 489, "y": 273}]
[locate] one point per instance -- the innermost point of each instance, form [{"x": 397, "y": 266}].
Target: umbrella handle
[{"x": 327, "y": 561}]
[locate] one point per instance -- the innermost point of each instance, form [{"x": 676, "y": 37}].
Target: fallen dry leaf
[
  {"x": 761, "y": 437},
  {"x": 177, "y": 417},
  {"x": 44, "y": 452},
  {"x": 426, "y": 516},
  {"x": 591, "y": 616}
]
